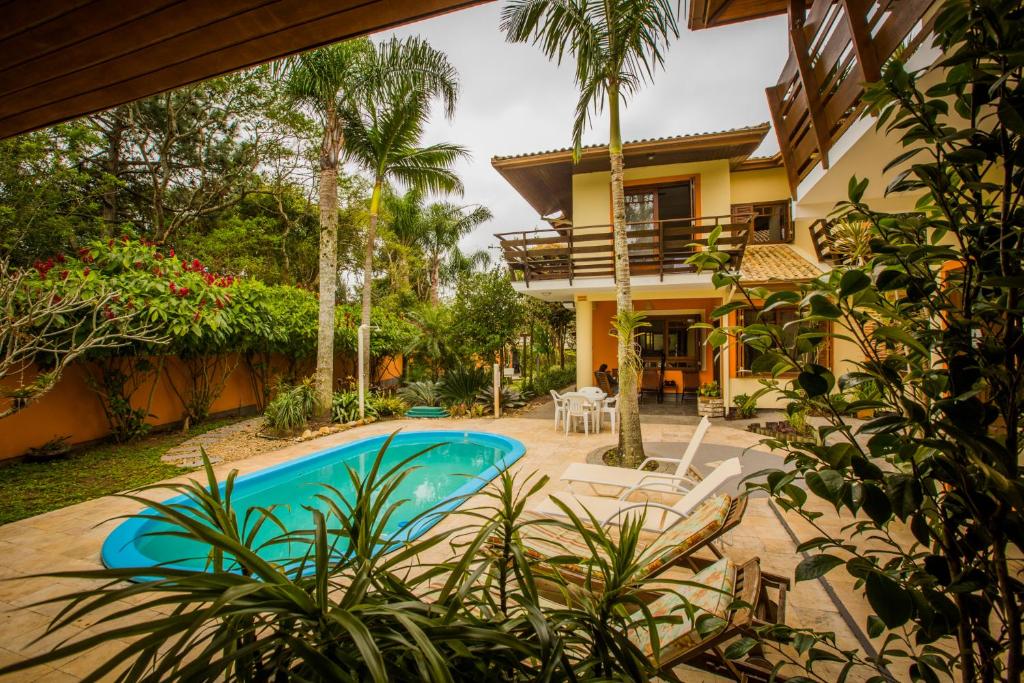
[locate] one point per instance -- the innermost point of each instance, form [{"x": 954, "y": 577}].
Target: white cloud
[{"x": 513, "y": 100}]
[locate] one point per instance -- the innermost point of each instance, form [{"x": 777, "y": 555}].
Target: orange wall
[
  {"x": 73, "y": 410},
  {"x": 605, "y": 345}
]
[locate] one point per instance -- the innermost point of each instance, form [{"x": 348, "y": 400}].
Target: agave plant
[
  {"x": 462, "y": 384},
  {"x": 420, "y": 393},
  {"x": 345, "y": 407},
  {"x": 356, "y": 604}
]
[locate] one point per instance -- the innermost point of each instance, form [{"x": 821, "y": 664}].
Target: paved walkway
[
  {"x": 71, "y": 538},
  {"x": 231, "y": 442}
]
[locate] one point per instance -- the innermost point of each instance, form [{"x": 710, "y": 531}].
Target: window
[
  {"x": 673, "y": 340},
  {"x": 787, "y": 318},
  {"x": 772, "y": 220}
]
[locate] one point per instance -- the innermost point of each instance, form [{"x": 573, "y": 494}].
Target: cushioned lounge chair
[
  {"x": 741, "y": 596},
  {"x": 621, "y": 478},
  {"x": 676, "y": 546},
  {"x": 657, "y": 516}
]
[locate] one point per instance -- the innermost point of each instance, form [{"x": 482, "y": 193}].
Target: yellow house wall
[
  {"x": 759, "y": 186},
  {"x": 591, "y": 192}
]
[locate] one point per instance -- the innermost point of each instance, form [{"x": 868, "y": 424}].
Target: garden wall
[{"x": 73, "y": 410}]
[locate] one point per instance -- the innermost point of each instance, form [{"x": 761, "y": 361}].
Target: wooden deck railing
[
  {"x": 835, "y": 46},
  {"x": 655, "y": 248}
]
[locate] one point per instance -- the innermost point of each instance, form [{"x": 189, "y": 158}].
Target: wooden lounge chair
[
  {"x": 678, "y": 481},
  {"x": 676, "y": 546},
  {"x": 740, "y": 595},
  {"x": 657, "y": 516}
]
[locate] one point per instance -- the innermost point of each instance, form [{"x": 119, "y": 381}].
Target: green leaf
[
  {"x": 728, "y": 308},
  {"x": 813, "y": 384},
  {"x": 852, "y": 282},
  {"x": 822, "y": 307},
  {"x": 740, "y": 648},
  {"x": 815, "y": 566},
  {"x": 888, "y": 599}
]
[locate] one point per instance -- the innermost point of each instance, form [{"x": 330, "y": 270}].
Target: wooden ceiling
[
  {"x": 60, "y": 59},
  {"x": 544, "y": 179},
  {"x": 711, "y": 13}
]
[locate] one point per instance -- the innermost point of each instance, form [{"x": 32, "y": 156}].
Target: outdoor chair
[
  {"x": 676, "y": 546},
  {"x": 682, "y": 479},
  {"x": 559, "y": 407},
  {"x": 579, "y": 408},
  {"x": 610, "y": 407},
  {"x": 657, "y": 516},
  {"x": 605, "y": 383},
  {"x": 742, "y": 597}
]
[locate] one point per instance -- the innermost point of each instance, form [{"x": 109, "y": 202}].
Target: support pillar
[{"x": 584, "y": 343}]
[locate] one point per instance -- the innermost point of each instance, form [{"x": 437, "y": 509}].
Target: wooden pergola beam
[{"x": 61, "y": 59}]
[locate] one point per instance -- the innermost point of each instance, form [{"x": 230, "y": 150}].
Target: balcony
[
  {"x": 834, "y": 48},
  {"x": 656, "y": 248}
]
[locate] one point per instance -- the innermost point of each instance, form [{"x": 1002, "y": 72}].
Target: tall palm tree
[
  {"x": 617, "y": 45},
  {"x": 446, "y": 224},
  {"x": 383, "y": 134},
  {"x": 327, "y": 81}
]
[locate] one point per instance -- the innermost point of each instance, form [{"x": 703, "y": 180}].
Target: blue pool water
[{"x": 461, "y": 465}]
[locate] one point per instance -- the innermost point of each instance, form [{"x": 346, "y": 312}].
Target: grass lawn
[{"x": 31, "y": 488}]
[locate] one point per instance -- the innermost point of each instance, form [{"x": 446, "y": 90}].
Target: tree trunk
[
  {"x": 435, "y": 281},
  {"x": 631, "y": 444},
  {"x": 112, "y": 167},
  {"x": 328, "y": 264},
  {"x": 371, "y": 236}
]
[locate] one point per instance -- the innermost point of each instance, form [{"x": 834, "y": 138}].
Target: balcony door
[{"x": 649, "y": 211}]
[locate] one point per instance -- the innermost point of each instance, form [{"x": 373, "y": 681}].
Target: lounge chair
[
  {"x": 658, "y": 517},
  {"x": 737, "y": 594},
  {"x": 676, "y": 546},
  {"x": 605, "y": 475}
]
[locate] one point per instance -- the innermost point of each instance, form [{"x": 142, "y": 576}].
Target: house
[{"x": 773, "y": 212}]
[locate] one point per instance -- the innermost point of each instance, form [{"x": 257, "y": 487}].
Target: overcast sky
[{"x": 513, "y": 100}]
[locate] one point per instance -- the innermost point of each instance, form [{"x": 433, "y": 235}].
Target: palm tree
[
  {"x": 617, "y": 45},
  {"x": 383, "y": 132},
  {"x": 446, "y": 224},
  {"x": 327, "y": 81}
]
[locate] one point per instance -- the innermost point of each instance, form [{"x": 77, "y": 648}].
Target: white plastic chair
[
  {"x": 579, "y": 407},
  {"x": 559, "y": 407},
  {"x": 609, "y": 407}
]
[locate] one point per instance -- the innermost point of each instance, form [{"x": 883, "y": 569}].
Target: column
[{"x": 584, "y": 342}]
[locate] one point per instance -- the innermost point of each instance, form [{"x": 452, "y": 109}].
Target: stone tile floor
[{"x": 72, "y": 537}]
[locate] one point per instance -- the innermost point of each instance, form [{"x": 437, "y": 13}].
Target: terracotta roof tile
[
  {"x": 775, "y": 263},
  {"x": 636, "y": 142}
]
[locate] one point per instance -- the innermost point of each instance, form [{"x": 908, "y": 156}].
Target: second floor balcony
[{"x": 656, "y": 248}]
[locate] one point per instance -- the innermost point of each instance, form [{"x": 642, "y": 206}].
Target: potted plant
[{"x": 709, "y": 400}]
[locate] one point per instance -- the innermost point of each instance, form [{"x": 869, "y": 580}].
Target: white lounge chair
[
  {"x": 606, "y": 475},
  {"x": 658, "y": 516}
]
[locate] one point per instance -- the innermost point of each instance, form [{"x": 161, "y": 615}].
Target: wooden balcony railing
[
  {"x": 835, "y": 46},
  {"x": 655, "y": 248}
]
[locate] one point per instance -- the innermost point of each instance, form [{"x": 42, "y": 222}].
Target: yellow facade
[{"x": 717, "y": 189}]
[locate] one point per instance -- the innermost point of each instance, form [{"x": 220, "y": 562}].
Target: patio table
[{"x": 595, "y": 401}]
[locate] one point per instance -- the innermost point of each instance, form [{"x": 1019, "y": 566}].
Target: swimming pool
[{"x": 461, "y": 465}]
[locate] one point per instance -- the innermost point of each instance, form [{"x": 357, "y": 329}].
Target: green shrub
[
  {"x": 291, "y": 408},
  {"x": 461, "y": 385},
  {"x": 387, "y": 406},
  {"x": 553, "y": 378},
  {"x": 510, "y": 398},
  {"x": 420, "y": 393},
  {"x": 746, "y": 406}
]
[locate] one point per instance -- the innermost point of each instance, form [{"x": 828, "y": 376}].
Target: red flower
[
  {"x": 158, "y": 256},
  {"x": 196, "y": 266},
  {"x": 86, "y": 271},
  {"x": 56, "y": 299},
  {"x": 195, "y": 318},
  {"x": 64, "y": 275},
  {"x": 173, "y": 287},
  {"x": 172, "y": 253},
  {"x": 183, "y": 292},
  {"x": 60, "y": 258}
]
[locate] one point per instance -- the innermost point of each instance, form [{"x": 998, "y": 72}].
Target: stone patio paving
[{"x": 71, "y": 538}]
